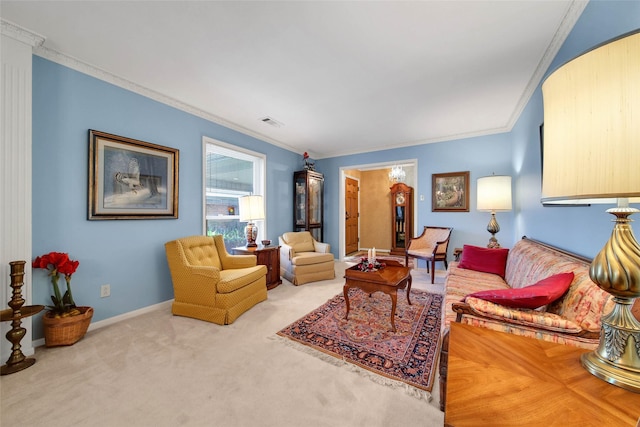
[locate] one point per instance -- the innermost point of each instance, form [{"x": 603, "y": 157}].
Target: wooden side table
[
  {"x": 268, "y": 256},
  {"x": 501, "y": 379}
]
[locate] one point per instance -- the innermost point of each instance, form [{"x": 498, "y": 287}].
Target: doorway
[{"x": 380, "y": 199}]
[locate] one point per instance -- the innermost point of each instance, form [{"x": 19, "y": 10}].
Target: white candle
[
  {"x": 373, "y": 253},
  {"x": 369, "y": 255}
]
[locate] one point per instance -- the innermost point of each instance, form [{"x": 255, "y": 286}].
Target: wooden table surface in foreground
[{"x": 500, "y": 379}]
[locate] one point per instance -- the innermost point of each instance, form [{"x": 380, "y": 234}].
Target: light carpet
[
  {"x": 365, "y": 343},
  {"x": 162, "y": 370}
]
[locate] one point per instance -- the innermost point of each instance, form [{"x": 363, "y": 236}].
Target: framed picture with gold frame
[
  {"x": 131, "y": 179},
  {"x": 450, "y": 192}
]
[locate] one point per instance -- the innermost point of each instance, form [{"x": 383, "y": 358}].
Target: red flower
[
  {"x": 305, "y": 155},
  {"x": 68, "y": 268},
  {"x": 53, "y": 259},
  {"x": 58, "y": 263}
]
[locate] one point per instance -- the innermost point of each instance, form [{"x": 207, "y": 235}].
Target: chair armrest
[
  {"x": 286, "y": 252},
  {"x": 531, "y": 318},
  {"x": 231, "y": 262},
  {"x": 321, "y": 247},
  {"x": 208, "y": 272},
  {"x": 196, "y": 285}
]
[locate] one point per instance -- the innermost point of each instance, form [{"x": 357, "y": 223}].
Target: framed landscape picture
[
  {"x": 450, "y": 192},
  {"x": 131, "y": 179}
]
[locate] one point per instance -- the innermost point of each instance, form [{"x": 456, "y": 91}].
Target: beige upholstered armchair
[
  {"x": 430, "y": 246},
  {"x": 303, "y": 259},
  {"x": 209, "y": 284}
]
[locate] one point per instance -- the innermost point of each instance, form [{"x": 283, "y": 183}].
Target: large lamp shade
[{"x": 591, "y": 140}]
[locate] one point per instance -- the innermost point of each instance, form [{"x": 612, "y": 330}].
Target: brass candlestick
[{"x": 17, "y": 361}]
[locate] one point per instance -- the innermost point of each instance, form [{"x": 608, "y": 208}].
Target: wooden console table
[
  {"x": 500, "y": 379},
  {"x": 268, "y": 256}
]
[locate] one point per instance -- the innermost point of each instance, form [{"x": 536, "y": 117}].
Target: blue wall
[{"x": 129, "y": 255}]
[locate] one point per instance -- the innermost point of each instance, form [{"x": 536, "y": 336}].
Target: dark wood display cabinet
[
  {"x": 401, "y": 217},
  {"x": 308, "y": 209},
  {"x": 268, "y": 256}
]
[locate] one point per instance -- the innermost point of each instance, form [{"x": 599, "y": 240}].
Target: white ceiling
[{"x": 342, "y": 77}]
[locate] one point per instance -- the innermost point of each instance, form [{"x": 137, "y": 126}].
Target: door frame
[{"x": 373, "y": 166}]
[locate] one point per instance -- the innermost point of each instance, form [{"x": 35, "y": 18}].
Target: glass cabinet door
[
  {"x": 300, "y": 201},
  {"x": 315, "y": 201}
]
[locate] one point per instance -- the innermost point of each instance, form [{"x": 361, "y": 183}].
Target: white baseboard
[{"x": 120, "y": 318}]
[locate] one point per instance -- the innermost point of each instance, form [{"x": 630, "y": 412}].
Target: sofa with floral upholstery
[{"x": 570, "y": 316}]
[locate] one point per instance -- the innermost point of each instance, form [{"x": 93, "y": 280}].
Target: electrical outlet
[{"x": 105, "y": 291}]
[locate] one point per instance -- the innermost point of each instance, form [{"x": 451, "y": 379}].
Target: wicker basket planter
[{"x": 66, "y": 330}]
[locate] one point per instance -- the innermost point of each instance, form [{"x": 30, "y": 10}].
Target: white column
[{"x": 16, "y": 48}]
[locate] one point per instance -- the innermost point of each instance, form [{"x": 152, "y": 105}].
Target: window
[{"x": 230, "y": 172}]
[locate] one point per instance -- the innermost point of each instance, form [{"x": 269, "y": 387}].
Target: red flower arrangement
[
  {"x": 59, "y": 263},
  {"x": 365, "y": 265}
]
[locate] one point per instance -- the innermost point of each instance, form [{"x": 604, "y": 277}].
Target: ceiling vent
[{"x": 272, "y": 122}]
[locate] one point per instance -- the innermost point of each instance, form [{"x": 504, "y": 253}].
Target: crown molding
[
  {"x": 570, "y": 18},
  {"x": 21, "y": 34},
  {"x": 93, "y": 71}
]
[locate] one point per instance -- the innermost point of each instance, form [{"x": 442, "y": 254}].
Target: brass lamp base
[
  {"x": 493, "y": 227},
  {"x": 616, "y": 361},
  {"x": 616, "y": 270}
]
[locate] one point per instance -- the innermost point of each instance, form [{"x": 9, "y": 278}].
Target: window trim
[{"x": 259, "y": 176}]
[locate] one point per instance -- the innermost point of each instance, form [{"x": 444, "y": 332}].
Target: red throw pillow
[
  {"x": 533, "y": 296},
  {"x": 484, "y": 259}
]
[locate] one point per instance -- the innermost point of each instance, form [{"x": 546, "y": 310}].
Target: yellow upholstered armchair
[
  {"x": 430, "y": 246},
  {"x": 209, "y": 284},
  {"x": 303, "y": 259}
]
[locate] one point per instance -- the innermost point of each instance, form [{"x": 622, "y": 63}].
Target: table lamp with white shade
[
  {"x": 251, "y": 209},
  {"x": 494, "y": 195},
  {"x": 592, "y": 155}
]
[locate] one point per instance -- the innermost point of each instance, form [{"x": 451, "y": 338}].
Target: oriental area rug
[{"x": 406, "y": 358}]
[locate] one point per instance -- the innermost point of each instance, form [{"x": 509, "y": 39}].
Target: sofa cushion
[
  {"x": 484, "y": 259},
  {"x": 533, "y": 296},
  {"x": 532, "y": 318},
  {"x": 460, "y": 283},
  {"x": 234, "y": 279},
  {"x": 309, "y": 258}
]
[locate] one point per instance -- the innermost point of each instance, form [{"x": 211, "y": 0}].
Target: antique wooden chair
[{"x": 430, "y": 246}]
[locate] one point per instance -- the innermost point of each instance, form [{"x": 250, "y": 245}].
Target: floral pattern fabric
[{"x": 579, "y": 310}]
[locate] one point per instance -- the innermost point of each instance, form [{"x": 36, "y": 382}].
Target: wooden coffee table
[{"x": 389, "y": 279}]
